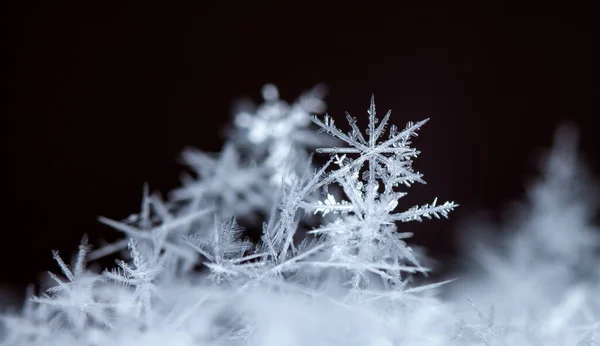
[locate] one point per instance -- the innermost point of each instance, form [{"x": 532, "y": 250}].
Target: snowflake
[
  {"x": 155, "y": 226},
  {"x": 276, "y": 130},
  {"x": 142, "y": 275},
  {"x": 224, "y": 251},
  {"x": 75, "y": 298},
  {"x": 482, "y": 333},
  {"x": 365, "y": 236},
  {"x": 225, "y": 182}
]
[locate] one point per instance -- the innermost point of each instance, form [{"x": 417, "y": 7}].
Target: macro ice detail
[
  {"x": 365, "y": 238},
  {"x": 330, "y": 260}
]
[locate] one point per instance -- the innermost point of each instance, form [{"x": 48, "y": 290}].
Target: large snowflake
[{"x": 365, "y": 238}]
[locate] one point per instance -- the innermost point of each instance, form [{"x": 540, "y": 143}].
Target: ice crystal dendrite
[
  {"x": 191, "y": 276},
  {"x": 365, "y": 237},
  {"x": 330, "y": 263}
]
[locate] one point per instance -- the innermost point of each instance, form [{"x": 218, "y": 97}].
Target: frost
[
  {"x": 330, "y": 260},
  {"x": 190, "y": 277}
]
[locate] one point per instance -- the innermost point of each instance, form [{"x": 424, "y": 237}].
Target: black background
[{"x": 102, "y": 96}]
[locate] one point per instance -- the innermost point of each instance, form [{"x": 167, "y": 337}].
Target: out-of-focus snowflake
[
  {"x": 538, "y": 270},
  {"x": 75, "y": 299},
  {"x": 276, "y": 129},
  {"x": 558, "y": 222},
  {"x": 484, "y": 333},
  {"x": 225, "y": 182}
]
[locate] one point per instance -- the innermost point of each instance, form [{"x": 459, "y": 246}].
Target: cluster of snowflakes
[{"x": 330, "y": 266}]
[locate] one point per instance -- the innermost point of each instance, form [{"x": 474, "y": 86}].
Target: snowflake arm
[
  {"x": 75, "y": 298},
  {"x": 417, "y": 213},
  {"x": 150, "y": 235}
]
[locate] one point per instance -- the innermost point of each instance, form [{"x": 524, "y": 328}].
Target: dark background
[{"x": 102, "y": 96}]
